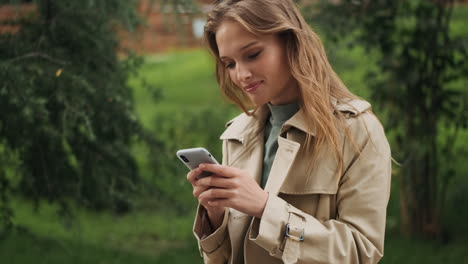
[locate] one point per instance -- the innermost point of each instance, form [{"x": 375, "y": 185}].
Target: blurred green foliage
[
  {"x": 418, "y": 84},
  {"x": 67, "y": 116}
]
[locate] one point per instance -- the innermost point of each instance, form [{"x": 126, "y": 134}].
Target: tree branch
[{"x": 41, "y": 55}]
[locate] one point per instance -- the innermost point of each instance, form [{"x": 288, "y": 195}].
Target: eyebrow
[{"x": 243, "y": 48}]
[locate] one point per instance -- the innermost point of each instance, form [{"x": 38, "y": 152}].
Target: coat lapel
[
  {"x": 248, "y": 131},
  {"x": 285, "y": 156},
  {"x": 246, "y": 140}
]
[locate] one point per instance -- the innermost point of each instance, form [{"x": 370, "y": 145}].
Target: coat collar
[{"x": 243, "y": 126}]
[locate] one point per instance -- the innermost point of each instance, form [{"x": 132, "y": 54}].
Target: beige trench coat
[{"x": 312, "y": 215}]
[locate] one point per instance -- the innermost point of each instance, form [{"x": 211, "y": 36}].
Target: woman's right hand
[{"x": 215, "y": 213}]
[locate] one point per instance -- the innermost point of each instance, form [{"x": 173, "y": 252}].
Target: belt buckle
[{"x": 295, "y": 238}]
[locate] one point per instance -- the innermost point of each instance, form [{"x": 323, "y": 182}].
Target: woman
[{"x": 306, "y": 168}]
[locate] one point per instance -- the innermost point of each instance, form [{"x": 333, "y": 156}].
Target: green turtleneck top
[{"x": 279, "y": 115}]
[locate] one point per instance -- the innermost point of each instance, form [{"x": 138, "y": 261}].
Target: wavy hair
[{"x": 318, "y": 84}]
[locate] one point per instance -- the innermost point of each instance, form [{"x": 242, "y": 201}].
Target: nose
[{"x": 243, "y": 72}]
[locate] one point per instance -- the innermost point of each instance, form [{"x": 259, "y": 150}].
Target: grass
[
  {"x": 401, "y": 250},
  {"x": 46, "y": 250},
  {"x": 145, "y": 236},
  {"x": 105, "y": 228},
  {"x": 29, "y": 248}
]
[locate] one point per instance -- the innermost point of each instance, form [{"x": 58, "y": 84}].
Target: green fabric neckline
[{"x": 281, "y": 113}]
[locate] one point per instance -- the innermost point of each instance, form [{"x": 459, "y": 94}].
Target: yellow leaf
[{"x": 59, "y": 71}]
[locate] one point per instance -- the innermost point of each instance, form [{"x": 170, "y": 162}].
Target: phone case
[{"x": 193, "y": 157}]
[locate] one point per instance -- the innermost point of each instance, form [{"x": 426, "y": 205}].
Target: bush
[{"x": 66, "y": 113}]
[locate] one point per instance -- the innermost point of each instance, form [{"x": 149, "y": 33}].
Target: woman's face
[{"x": 257, "y": 64}]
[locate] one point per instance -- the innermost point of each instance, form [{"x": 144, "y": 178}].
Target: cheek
[
  {"x": 277, "y": 64},
  {"x": 284, "y": 75},
  {"x": 280, "y": 71},
  {"x": 271, "y": 67}
]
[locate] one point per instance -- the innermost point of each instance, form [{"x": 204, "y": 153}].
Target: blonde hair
[{"x": 317, "y": 82}]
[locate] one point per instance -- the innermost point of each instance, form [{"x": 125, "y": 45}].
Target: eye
[
  {"x": 229, "y": 65},
  {"x": 255, "y": 55}
]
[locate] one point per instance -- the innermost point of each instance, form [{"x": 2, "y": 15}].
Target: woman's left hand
[{"x": 234, "y": 188}]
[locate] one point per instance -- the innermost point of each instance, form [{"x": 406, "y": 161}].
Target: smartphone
[{"x": 193, "y": 157}]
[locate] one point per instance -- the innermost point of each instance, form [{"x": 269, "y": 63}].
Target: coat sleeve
[
  {"x": 356, "y": 235},
  {"x": 214, "y": 246}
]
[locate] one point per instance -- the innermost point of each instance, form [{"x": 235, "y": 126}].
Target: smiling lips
[{"x": 253, "y": 86}]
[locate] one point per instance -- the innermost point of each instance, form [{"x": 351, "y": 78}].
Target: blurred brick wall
[
  {"x": 10, "y": 13},
  {"x": 162, "y": 31}
]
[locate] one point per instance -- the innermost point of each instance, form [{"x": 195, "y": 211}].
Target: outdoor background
[{"x": 97, "y": 96}]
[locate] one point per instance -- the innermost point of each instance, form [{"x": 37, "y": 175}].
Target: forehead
[{"x": 231, "y": 37}]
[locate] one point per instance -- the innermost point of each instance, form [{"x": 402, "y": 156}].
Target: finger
[
  {"x": 219, "y": 203},
  {"x": 213, "y": 208},
  {"x": 221, "y": 170},
  {"x": 198, "y": 190},
  {"x": 216, "y": 181},
  {"x": 214, "y": 193},
  {"x": 193, "y": 174}
]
